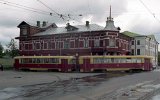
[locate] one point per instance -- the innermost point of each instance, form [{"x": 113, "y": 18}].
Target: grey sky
[{"x": 129, "y": 15}]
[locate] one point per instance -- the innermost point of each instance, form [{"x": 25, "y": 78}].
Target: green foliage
[
  {"x": 12, "y": 48},
  {"x": 1, "y": 51}
]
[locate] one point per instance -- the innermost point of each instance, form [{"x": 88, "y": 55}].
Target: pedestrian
[{"x": 1, "y": 67}]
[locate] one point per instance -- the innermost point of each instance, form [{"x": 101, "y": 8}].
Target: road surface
[{"x": 71, "y": 86}]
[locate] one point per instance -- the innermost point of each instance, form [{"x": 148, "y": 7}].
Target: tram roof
[
  {"x": 65, "y": 57},
  {"x": 116, "y": 56}
]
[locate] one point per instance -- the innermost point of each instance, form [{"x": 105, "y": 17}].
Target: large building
[
  {"x": 88, "y": 39},
  {"x": 144, "y": 45}
]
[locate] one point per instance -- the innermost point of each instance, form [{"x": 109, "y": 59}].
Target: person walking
[{"x": 1, "y": 67}]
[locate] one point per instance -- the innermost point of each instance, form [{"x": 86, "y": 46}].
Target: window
[
  {"x": 26, "y": 46},
  {"x": 138, "y": 42},
  {"x": 24, "y": 31},
  {"x": 138, "y": 51},
  {"x": 112, "y": 42},
  {"x": 119, "y": 43},
  {"x": 45, "y": 46},
  {"x": 37, "y": 45},
  {"x": 96, "y": 43},
  {"x": 133, "y": 42},
  {"x": 66, "y": 44},
  {"x": 49, "y": 45},
  {"x": 132, "y": 51},
  {"x": 98, "y": 60},
  {"x": 86, "y": 43},
  {"x": 72, "y": 44},
  {"x": 57, "y": 45},
  {"x": 53, "y": 45}
]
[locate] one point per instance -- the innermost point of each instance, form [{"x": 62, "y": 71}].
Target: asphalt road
[
  {"x": 70, "y": 86},
  {"x": 108, "y": 87}
]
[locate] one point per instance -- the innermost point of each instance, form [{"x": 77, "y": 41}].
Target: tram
[
  {"x": 59, "y": 63},
  {"x": 84, "y": 63},
  {"x": 115, "y": 63}
]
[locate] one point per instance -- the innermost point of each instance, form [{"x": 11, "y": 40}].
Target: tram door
[
  {"x": 16, "y": 64},
  {"x": 64, "y": 64},
  {"x": 86, "y": 65}
]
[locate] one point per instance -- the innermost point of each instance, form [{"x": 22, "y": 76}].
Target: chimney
[
  {"x": 44, "y": 24},
  {"x": 38, "y": 23},
  {"x": 68, "y": 24},
  {"x": 87, "y": 23}
]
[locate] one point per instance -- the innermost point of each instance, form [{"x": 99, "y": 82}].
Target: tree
[
  {"x": 1, "y": 50},
  {"x": 158, "y": 58},
  {"x": 12, "y": 48}
]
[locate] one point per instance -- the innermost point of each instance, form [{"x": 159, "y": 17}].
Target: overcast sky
[{"x": 140, "y": 16}]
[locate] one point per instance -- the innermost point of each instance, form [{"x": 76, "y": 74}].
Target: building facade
[
  {"x": 88, "y": 39},
  {"x": 144, "y": 45}
]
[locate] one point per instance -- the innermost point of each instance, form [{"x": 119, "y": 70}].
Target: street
[{"x": 79, "y": 86}]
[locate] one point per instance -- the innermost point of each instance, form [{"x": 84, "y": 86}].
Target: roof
[
  {"x": 110, "y": 26},
  {"x": 80, "y": 28},
  {"x": 34, "y": 25},
  {"x": 151, "y": 36},
  {"x": 130, "y": 34},
  {"x": 117, "y": 56}
]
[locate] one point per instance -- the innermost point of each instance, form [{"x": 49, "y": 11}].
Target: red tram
[
  {"x": 115, "y": 63},
  {"x": 84, "y": 63},
  {"x": 59, "y": 63}
]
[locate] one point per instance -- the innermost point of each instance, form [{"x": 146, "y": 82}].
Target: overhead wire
[
  {"x": 62, "y": 16},
  {"x": 35, "y": 10},
  {"x": 23, "y": 7},
  {"x": 153, "y": 14}
]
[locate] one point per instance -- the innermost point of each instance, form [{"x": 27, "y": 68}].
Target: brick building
[{"x": 88, "y": 39}]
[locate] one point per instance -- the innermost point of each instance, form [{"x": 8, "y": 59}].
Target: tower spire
[
  {"x": 110, "y": 22},
  {"x": 110, "y": 12}
]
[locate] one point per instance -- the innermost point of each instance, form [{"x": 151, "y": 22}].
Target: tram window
[
  {"x": 41, "y": 60},
  {"x": 106, "y": 60},
  {"x": 97, "y": 60},
  {"x": 123, "y": 60},
  {"x": 109, "y": 60},
  {"x": 72, "y": 61},
  {"x": 116, "y": 60},
  {"x": 139, "y": 60},
  {"x": 33, "y": 60},
  {"x": 134, "y": 60},
  {"x": 101, "y": 60},
  {"x": 46, "y": 60},
  {"x": 128, "y": 60},
  {"x": 25, "y": 60},
  {"x": 54, "y": 60},
  {"x": 30, "y": 61},
  {"x": 20, "y": 61},
  {"x": 112, "y": 60},
  {"x": 38, "y": 60}
]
